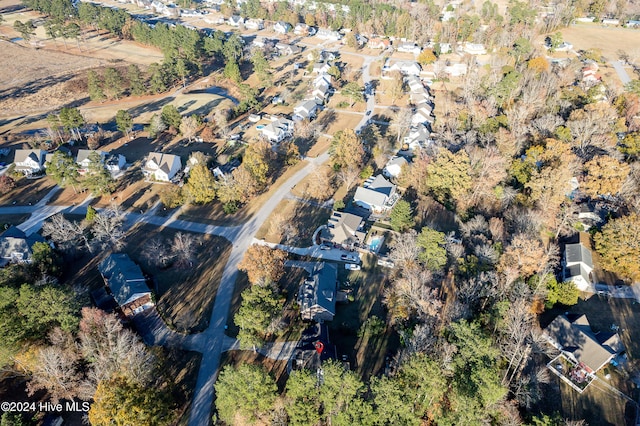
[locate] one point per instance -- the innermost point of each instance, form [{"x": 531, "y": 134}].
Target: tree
[
  {"x": 71, "y": 119},
  {"x": 449, "y": 175},
  {"x": 263, "y": 264},
  {"x": 433, "y": 253},
  {"x": 259, "y": 307},
  {"x": 97, "y": 178},
  {"x": 339, "y": 389},
  {"x": 565, "y": 293},
  {"x": 402, "y": 122},
  {"x": 26, "y": 29},
  {"x": 156, "y": 126},
  {"x": 426, "y": 57},
  {"x": 42, "y": 308},
  {"x": 247, "y": 391},
  {"x": 619, "y": 246},
  {"x": 171, "y": 116},
  {"x": 232, "y": 71},
  {"x": 334, "y": 72},
  {"x": 123, "y": 402},
  {"x": 346, "y": 149},
  {"x": 171, "y": 196},
  {"x": 112, "y": 350},
  {"x": 389, "y": 399},
  {"x": 555, "y": 40},
  {"x": 136, "y": 80},
  {"x": 348, "y": 176},
  {"x": 108, "y": 227},
  {"x": 68, "y": 235},
  {"x": 94, "y": 85},
  {"x": 538, "y": 64},
  {"x": 6, "y": 184},
  {"x": 201, "y": 186},
  {"x": 45, "y": 259},
  {"x": 525, "y": 255},
  {"x": 303, "y": 404},
  {"x": 257, "y": 160},
  {"x": 605, "y": 176},
  {"x": 189, "y": 126},
  {"x": 72, "y": 30},
  {"x": 63, "y": 169},
  {"x": 184, "y": 248},
  {"x": 124, "y": 122},
  {"x": 402, "y": 216},
  {"x": 395, "y": 86},
  {"x": 353, "y": 91},
  {"x": 261, "y": 67}
]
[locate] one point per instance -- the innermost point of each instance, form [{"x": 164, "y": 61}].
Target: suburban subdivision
[{"x": 319, "y": 212}]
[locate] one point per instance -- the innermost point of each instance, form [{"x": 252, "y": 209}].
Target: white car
[
  {"x": 352, "y": 267},
  {"x": 349, "y": 258}
]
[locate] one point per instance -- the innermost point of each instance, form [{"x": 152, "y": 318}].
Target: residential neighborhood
[{"x": 319, "y": 213}]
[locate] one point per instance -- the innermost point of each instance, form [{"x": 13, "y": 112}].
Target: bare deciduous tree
[
  {"x": 404, "y": 248},
  {"x": 184, "y": 248},
  {"x": 107, "y": 227},
  {"x": 348, "y": 176},
  {"x": 155, "y": 252},
  {"x": 68, "y": 235}
]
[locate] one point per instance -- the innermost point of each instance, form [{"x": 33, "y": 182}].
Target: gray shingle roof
[
  {"x": 578, "y": 253},
  {"x": 320, "y": 289},
  {"x": 125, "y": 278}
]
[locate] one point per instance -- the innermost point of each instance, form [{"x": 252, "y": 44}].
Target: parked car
[
  {"x": 349, "y": 258},
  {"x": 323, "y": 247},
  {"x": 352, "y": 267}
]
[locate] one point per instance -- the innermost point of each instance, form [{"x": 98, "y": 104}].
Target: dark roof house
[
  {"x": 15, "y": 246},
  {"x": 572, "y": 334},
  {"x": 578, "y": 265},
  {"x": 126, "y": 283},
  {"x": 317, "y": 294}
]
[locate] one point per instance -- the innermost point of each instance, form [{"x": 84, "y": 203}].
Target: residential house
[
  {"x": 321, "y": 92},
  {"x": 16, "y": 247},
  {"x": 235, "y": 20},
  {"x": 573, "y": 336},
  {"x": 422, "y": 115},
  {"x": 49, "y": 156},
  {"x": 83, "y": 158},
  {"x": 474, "y": 49},
  {"x": 254, "y": 118},
  {"x": 405, "y": 67},
  {"x": 417, "y": 138},
  {"x": 377, "y": 195},
  {"x": 29, "y": 161},
  {"x": 306, "y": 110},
  {"x": 361, "y": 40},
  {"x": 162, "y": 167},
  {"x": 254, "y": 24},
  {"x": 455, "y": 70},
  {"x": 302, "y": 29},
  {"x": 321, "y": 67},
  {"x": 278, "y": 130},
  {"x": 414, "y": 83},
  {"x": 578, "y": 265},
  {"x": 408, "y": 47},
  {"x": 263, "y": 43},
  {"x": 420, "y": 98},
  {"x": 345, "y": 229},
  {"x": 378, "y": 43},
  {"x": 287, "y": 49},
  {"x": 322, "y": 79},
  {"x": 328, "y": 34},
  {"x": 591, "y": 215},
  {"x": 282, "y": 27},
  {"x": 609, "y": 21},
  {"x": 394, "y": 166},
  {"x": 115, "y": 163},
  {"x": 317, "y": 294},
  {"x": 223, "y": 171},
  {"x": 126, "y": 283},
  {"x": 590, "y": 74}
]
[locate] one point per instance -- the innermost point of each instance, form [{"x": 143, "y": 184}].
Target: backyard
[
  {"x": 293, "y": 223},
  {"x": 184, "y": 295}
]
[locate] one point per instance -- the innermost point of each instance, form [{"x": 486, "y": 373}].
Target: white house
[
  {"x": 420, "y": 99},
  {"x": 422, "y": 115},
  {"x": 455, "y": 70},
  {"x": 578, "y": 265},
  {"x": 322, "y": 79},
  {"x": 83, "y": 158},
  {"x": 254, "y": 24},
  {"x": 408, "y": 47},
  {"x": 474, "y": 49},
  {"x": 394, "y": 166},
  {"x": 287, "y": 49},
  {"x": 417, "y": 137},
  {"x": 282, "y": 27},
  {"x": 305, "y": 110},
  {"x": 115, "y": 162},
  {"x": 303, "y": 30},
  {"x": 327, "y": 34},
  {"x": 377, "y": 195},
  {"x": 321, "y": 92},
  {"x": 278, "y": 130},
  {"x": 321, "y": 67},
  {"x": 29, "y": 161},
  {"x": 235, "y": 20},
  {"x": 162, "y": 167},
  {"x": 405, "y": 67}
]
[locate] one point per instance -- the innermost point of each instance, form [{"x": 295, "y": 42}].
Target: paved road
[{"x": 622, "y": 73}]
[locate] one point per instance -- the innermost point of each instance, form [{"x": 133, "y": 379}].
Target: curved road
[{"x": 213, "y": 341}]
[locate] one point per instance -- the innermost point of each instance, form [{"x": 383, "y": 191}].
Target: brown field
[
  {"x": 181, "y": 370},
  {"x": 608, "y": 40},
  {"x": 184, "y": 296},
  {"x": 319, "y": 147},
  {"x": 27, "y": 192},
  {"x": 304, "y": 217},
  {"x": 342, "y": 121}
]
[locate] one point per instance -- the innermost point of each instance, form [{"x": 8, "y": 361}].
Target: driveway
[{"x": 622, "y": 73}]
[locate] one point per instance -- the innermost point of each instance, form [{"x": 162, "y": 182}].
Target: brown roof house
[
  {"x": 345, "y": 229},
  {"x": 317, "y": 294},
  {"x": 126, "y": 283},
  {"x": 587, "y": 351},
  {"x": 15, "y": 246}
]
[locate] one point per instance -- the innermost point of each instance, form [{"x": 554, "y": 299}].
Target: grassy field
[
  {"x": 305, "y": 219},
  {"x": 607, "y": 39},
  {"x": 184, "y": 295},
  {"x": 27, "y": 192}
]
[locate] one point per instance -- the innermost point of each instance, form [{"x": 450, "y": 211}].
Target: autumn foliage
[{"x": 263, "y": 264}]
